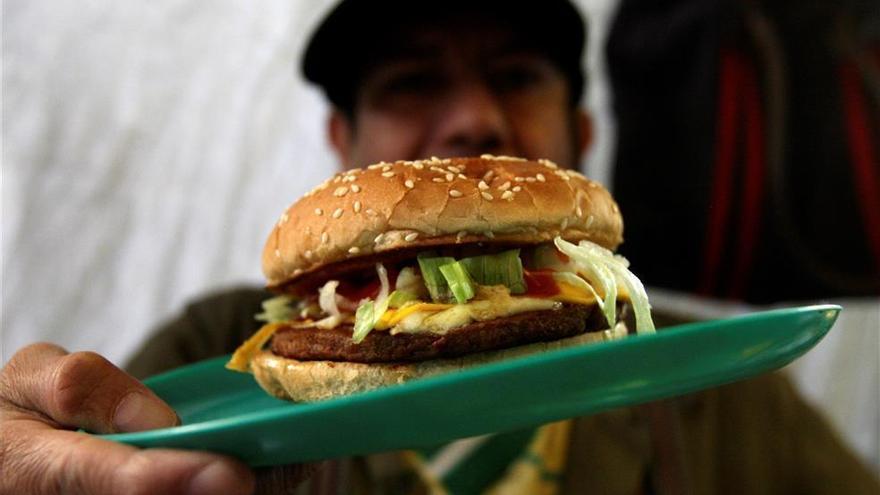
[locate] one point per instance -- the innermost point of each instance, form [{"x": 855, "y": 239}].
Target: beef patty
[{"x": 315, "y": 344}]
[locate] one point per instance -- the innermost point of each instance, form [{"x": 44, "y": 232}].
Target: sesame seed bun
[{"x": 398, "y": 207}]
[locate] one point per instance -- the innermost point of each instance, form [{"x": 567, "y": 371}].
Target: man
[{"x": 498, "y": 78}]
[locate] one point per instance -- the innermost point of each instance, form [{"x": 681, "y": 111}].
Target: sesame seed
[
  {"x": 507, "y": 195},
  {"x": 437, "y": 179},
  {"x": 386, "y": 168},
  {"x": 482, "y": 185},
  {"x": 435, "y": 159},
  {"x": 387, "y": 174},
  {"x": 337, "y": 179},
  {"x": 379, "y": 238},
  {"x": 355, "y": 188},
  {"x": 579, "y": 211},
  {"x": 488, "y": 175},
  {"x": 319, "y": 211},
  {"x": 277, "y": 253},
  {"x": 453, "y": 169},
  {"x": 371, "y": 212},
  {"x": 357, "y": 206},
  {"x": 337, "y": 213},
  {"x": 349, "y": 178},
  {"x": 504, "y": 187},
  {"x": 530, "y": 179},
  {"x": 547, "y": 163},
  {"x": 487, "y": 196},
  {"x": 418, "y": 165},
  {"x": 455, "y": 193},
  {"x": 411, "y": 236},
  {"x": 340, "y": 192},
  {"x": 462, "y": 176},
  {"x": 518, "y": 179},
  {"x": 541, "y": 177},
  {"x": 564, "y": 177},
  {"x": 592, "y": 185},
  {"x": 297, "y": 272},
  {"x": 354, "y": 250},
  {"x": 449, "y": 177},
  {"x": 374, "y": 166},
  {"x": 487, "y": 156},
  {"x": 308, "y": 254},
  {"x": 409, "y": 184},
  {"x": 324, "y": 238},
  {"x": 517, "y": 188},
  {"x": 438, "y": 170}
]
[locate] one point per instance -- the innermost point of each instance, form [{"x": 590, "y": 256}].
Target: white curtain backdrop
[{"x": 148, "y": 147}]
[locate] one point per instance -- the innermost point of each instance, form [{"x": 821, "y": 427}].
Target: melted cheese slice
[
  {"x": 241, "y": 359},
  {"x": 490, "y": 303},
  {"x": 392, "y": 317}
]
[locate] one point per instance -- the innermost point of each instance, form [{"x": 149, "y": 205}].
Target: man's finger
[
  {"x": 81, "y": 390},
  {"x": 39, "y": 460}
]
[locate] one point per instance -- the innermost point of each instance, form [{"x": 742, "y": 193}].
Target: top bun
[{"x": 406, "y": 205}]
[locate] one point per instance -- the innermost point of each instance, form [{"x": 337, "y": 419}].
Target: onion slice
[{"x": 605, "y": 270}]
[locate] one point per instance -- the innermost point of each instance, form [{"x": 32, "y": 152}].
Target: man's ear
[
  {"x": 340, "y": 133},
  {"x": 583, "y": 131}
]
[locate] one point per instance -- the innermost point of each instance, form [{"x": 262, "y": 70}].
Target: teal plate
[{"x": 227, "y": 412}]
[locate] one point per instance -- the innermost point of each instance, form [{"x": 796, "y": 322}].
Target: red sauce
[
  {"x": 356, "y": 291},
  {"x": 540, "y": 283}
]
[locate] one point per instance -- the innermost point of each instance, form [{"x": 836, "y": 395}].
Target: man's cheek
[{"x": 388, "y": 137}]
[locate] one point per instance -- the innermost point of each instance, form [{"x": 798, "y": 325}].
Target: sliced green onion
[
  {"x": 434, "y": 280},
  {"x": 504, "y": 268},
  {"x": 459, "y": 281},
  {"x": 400, "y": 297},
  {"x": 369, "y": 312},
  {"x": 366, "y": 317},
  {"x": 364, "y": 320}
]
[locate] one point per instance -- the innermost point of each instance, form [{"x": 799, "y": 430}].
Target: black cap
[{"x": 353, "y": 34}]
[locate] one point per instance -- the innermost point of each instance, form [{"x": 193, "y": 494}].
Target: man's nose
[{"x": 471, "y": 122}]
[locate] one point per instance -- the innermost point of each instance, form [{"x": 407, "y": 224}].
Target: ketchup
[
  {"x": 540, "y": 283},
  {"x": 357, "y": 291}
]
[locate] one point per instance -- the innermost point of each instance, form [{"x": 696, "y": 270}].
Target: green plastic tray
[{"x": 226, "y": 412}]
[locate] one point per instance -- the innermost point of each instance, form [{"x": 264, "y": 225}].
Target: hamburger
[{"x": 402, "y": 270}]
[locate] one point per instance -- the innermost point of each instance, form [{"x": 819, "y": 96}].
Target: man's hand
[{"x": 46, "y": 393}]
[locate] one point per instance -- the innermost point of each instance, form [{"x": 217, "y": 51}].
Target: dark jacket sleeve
[
  {"x": 208, "y": 327},
  {"x": 763, "y": 436},
  {"x": 825, "y": 464}
]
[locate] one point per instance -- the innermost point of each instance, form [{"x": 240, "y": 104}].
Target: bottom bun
[{"x": 308, "y": 381}]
